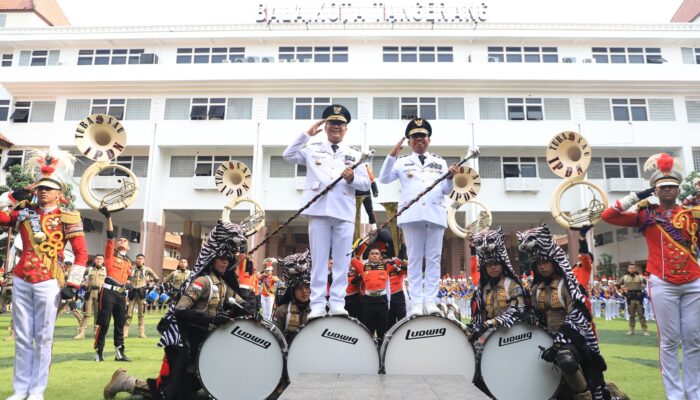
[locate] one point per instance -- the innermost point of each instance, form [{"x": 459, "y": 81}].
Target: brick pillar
[
  {"x": 154, "y": 245},
  {"x": 572, "y": 237},
  {"x": 259, "y": 255}
]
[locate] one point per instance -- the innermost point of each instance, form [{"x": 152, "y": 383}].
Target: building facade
[{"x": 192, "y": 97}]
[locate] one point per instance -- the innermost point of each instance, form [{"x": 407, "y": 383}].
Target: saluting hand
[
  {"x": 315, "y": 128},
  {"x": 397, "y": 148},
  {"x": 348, "y": 174}
]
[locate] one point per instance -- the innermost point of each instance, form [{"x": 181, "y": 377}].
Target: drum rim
[
  {"x": 347, "y": 317},
  {"x": 272, "y": 327},
  {"x": 390, "y": 333},
  {"x": 479, "y": 375}
]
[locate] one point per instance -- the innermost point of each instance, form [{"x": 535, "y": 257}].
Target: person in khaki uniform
[
  {"x": 293, "y": 311},
  {"x": 95, "y": 279},
  {"x": 199, "y": 310},
  {"x": 6, "y": 295},
  {"x": 632, "y": 284},
  {"x": 178, "y": 277},
  {"x": 137, "y": 293}
]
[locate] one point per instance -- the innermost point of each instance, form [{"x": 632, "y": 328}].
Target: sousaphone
[
  {"x": 234, "y": 178},
  {"x": 466, "y": 184},
  {"x": 569, "y": 156},
  {"x": 102, "y": 138}
]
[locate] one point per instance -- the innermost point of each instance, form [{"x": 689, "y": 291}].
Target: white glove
[{"x": 627, "y": 202}]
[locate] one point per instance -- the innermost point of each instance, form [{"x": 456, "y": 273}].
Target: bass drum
[
  {"x": 428, "y": 345},
  {"x": 242, "y": 360},
  {"x": 513, "y": 356},
  {"x": 332, "y": 345}
]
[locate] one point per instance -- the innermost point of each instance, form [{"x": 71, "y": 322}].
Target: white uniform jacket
[
  {"x": 415, "y": 178},
  {"x": 323, "y": 167}
]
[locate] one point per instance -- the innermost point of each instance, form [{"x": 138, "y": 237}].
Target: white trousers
[
  {"x": 34, "y": 309},
  {"x": 326, "y": 234},
  {"x": 267, "y": 303},
  {"x": 677, "y": 311},
  {"x": 423, "y": 240}
]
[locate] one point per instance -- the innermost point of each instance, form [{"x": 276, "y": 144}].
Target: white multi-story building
[{"x": 191, "y": 97}]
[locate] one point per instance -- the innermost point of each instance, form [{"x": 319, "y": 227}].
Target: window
[
  {"x": 138, "y": 109},
  {"x": 14, "y": 157},
  {"x": 489, "y": 167},
  {"x": 6, "y": 60},
  {"x": 301, "y": 170},
  {"x": 306, "y": 107},
  {"x": 521, "y": 109},
  {"x": 597, "y": 109},
  {"x": 206, "y": 55},
  {"x": 171, "y": 252},
  {"x": 110, "y": 56},
  {"x": 692, "y": 107},
  {"x": 385, "y": 107},
  {"x": 690, "y": 55},
  {"x": 206, "y": 108},
  {"x": 113, "y": 107},
  {"x": 4, "y": 109},
  {"x": 137, "y": 164},
  {"x": 133, "y": 236},
  {"x": 616, "y": 167},
  {"x": 527, "y": 108},
  {"x": 38, "y": 58},
  {"x": 207, "y": 165},
  {"x": 629, "y": 55},
  {"x": 177, "y": 109},
  {"x": 523, "y": 54},
  {"x": 3, "y": 20},
  {"x": 602, "y": 239},
  {"x": 239, "y": 108},
  {"x": 629, "y": 109},
  {"x": 622, "y": 234},
  {"x": 21, "y": 113},
  {"x": 42, "y": 111},
  {"x": 182, "y": 166},
  {"x": 519, "y": 167},
  {"x": 417, "y": 54},
  {"x": 92, "y": 225},
  {"x": 450, "y": 108},
  {"x": 423, "y": 107},
  {"x": 315, "y": 54},
  {"x": 279, "y": 168}
]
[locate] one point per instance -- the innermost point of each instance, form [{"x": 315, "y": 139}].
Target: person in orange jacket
[{"x": 375, "y": 306}]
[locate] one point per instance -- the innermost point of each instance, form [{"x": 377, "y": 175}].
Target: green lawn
[{"x": 632, "y": 360}]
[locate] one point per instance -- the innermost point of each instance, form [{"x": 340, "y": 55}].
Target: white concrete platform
[{"x": 381, "y": 387}]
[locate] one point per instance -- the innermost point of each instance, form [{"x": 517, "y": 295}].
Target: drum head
[
  {"x": 242, "y": 360},
  {"x": 512, "y": 356},
  {"x": 428, "y": 345},
  {"x": 332, "y": 345}
]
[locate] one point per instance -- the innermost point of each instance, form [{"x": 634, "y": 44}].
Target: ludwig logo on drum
[
  {"x": 425, "y": 333},
  {"x": 514, "y": 339},
  {"x": 249, "y": 337},
  {"x": 339, "y": 337}
]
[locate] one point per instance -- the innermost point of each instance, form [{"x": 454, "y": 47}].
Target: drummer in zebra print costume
[
  {"x": 560, "y": 307},
  {"x": 200, "y": 308},
  {"x": 499, "y": 298}
]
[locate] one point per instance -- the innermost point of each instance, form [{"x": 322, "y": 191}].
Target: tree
[
  {"x": 16, "y": 179},
  {"x": 605, "y": 265},
  {"x": 689, "y": 188}
]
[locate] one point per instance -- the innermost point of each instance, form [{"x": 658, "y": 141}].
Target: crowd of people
[{"x": 366, "y": 283}]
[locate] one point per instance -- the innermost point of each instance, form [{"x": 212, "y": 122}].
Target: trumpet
[
  {"x": 234, "y": 178},
  {"x": 569, "y": 156},
  {"x": 102, "y": 138}
]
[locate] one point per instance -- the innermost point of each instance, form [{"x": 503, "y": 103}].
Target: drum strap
[
  {"x": 560, "y": 288},
  {"x": 289, "y": 316}
]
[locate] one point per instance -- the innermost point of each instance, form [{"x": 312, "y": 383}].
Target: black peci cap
[
  {"x": 418, "y": 125},
  {"x": 336, "y": 112}
]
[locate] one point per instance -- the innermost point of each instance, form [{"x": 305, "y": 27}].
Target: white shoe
[
  {"x": 35, "y": 396},
  {"x": 432, "y": 309},
  {"x": 317, "y": 313},
  {"x": 339, "y": 311},
  {"x": 17, "y": 396},
  {"x": 416, "y": 309}
]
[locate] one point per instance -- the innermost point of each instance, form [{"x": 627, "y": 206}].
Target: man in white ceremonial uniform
[
  {"x": 424, "y": 223},
  {"x": 332, "y": 217}
]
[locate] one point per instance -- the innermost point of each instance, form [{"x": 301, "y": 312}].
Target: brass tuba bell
[
  {"x": 466, "y": 184},
  {"x": 569, "y": 156},
  {"x": 233, "y": 178},
  {"x": 102, "y": 138}
]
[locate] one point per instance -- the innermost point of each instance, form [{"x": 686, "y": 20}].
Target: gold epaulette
[
  {"x": 25, "y": 204},
  {"x": 70, "y": 217},
  {"x": 696, "y": 211}
]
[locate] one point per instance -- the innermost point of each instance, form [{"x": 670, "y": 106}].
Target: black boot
[
  {"x": 119, "y": 354},
  {"x": 98, "y": 356}
]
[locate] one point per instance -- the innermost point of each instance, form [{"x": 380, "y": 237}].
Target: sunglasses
[
  {"x": 45, "y": 188},
  {"x": 419, "y": 136},
  {"x": 668, "y": 187},
  {"x": 336, "y": 123}
]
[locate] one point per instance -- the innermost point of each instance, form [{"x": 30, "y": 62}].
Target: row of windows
[
  {"x": 137, "y": 164},
  {"x": 620, "y": 235},
  {"x": 202, "y": 165},
  {"x": 536, "y": 167},
  {"x": 340, "y": 54},
  {"x": 311, "y": 108}
]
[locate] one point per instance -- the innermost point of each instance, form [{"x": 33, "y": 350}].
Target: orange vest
[
  {"x": 373, "y": 275},
  {"x": 118, "y": 268}
]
